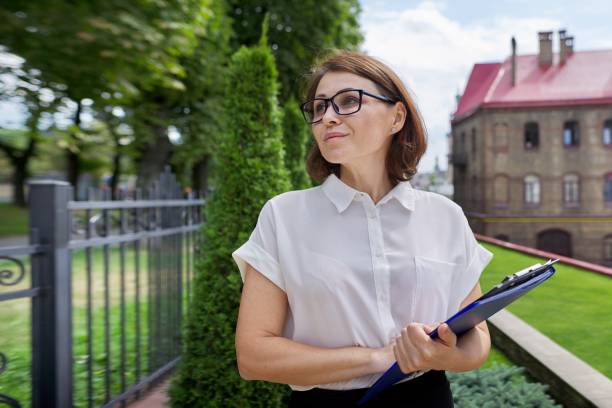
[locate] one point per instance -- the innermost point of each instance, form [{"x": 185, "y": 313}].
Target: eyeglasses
[{"x": 345, "y": 102}]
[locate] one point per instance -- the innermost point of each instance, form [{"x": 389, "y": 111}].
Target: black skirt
[{"x": 430, "y": 390}]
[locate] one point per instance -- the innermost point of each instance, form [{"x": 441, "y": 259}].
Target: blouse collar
[{"x": 341, "y": 194}]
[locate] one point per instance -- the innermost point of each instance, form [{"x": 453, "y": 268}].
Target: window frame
[
  {"x": 607, "y": 125},
  {"x": 607, "y": 188},
  {"x": 537, "y": 193},
  {"x": 527, "y": 131},
  {"x": 576, "y": 134},
  {"x": 567, "y": 179}
]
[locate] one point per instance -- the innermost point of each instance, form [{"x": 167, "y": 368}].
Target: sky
[{"x": 433, "y": 45}]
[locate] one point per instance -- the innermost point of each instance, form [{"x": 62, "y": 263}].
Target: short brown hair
[{"x": 408, "y": 144}]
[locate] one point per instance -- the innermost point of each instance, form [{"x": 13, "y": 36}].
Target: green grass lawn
[
  {"x": 13, "y": 220},
  {"x": 496, "y": 356},
  {"x": 573, "y": 307}
]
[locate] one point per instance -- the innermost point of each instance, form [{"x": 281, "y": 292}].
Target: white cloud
[{"x": 434, "y": 54}]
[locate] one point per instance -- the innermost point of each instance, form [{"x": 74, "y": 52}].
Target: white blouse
[{"x": 356, "y": 272}]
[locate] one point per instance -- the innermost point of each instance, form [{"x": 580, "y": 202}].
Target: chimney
[
  {"x": 569, "y": 46},
  {"x": 562, "y": 50},
  {"x": 513, "y": 72},
  {"x": 546, "y": 56}
]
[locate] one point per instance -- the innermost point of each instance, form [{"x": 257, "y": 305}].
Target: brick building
[{"x": 531, "y": 149}]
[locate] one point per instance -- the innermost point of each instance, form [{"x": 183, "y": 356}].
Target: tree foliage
[
  {"x": 106, "y": 50},
  {"x": 108, "y": 45},
  {"x": 296, "y": 135},
  {"x": 299, "y": 30},
  {"x": 161, "y": 62}
]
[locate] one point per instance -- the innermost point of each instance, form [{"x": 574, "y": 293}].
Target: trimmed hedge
[
  {"x": 296, "y": 135},
  {"x": 500, "y": 386},
  {"x": 251, "y": 171}
]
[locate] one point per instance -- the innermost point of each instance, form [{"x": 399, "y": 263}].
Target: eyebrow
[{"x": 345, "y": 89}]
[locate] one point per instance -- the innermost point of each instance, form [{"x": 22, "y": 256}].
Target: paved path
[{"x": 157, "y": 398}]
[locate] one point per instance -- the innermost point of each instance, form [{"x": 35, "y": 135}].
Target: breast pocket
[{"x": 434, "y": 284}]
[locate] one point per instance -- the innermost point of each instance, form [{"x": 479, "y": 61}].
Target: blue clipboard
[{"x": 500, "y": 296}]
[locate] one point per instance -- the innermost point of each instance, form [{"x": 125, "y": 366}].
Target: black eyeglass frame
[{"x": 329, "y": 101}]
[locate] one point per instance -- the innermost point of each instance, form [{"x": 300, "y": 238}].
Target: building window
[
  {"x": 500, "y": 190},
  {"x": 607, "y": 243},
  {"x": 532, "y": 190},
  {"x": 571, "y": 192},
  {"x": 462, "y": 143},
  {"x": 532, "y": 135},
  {"x": 570, "y": 134},
  {"x": 608, "y": 188},
  {"x": 607, "y": 133},
  {"x": 473, "y": 140}
]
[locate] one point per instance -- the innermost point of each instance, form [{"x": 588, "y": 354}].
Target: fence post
[{"x": 52, "y": 382}]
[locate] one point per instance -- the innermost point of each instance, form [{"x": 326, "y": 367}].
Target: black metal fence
[{"x": 109, "y": 284}]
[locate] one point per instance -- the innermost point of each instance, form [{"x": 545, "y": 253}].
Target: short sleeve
[
  {"x": 261, "y": 249},
  {"x": 475, "y": 260}
]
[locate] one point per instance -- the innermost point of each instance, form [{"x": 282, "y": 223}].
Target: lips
[{"x": 334, "y": 135}]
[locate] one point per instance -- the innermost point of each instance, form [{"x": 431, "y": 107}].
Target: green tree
[
  {"x": 19, "y": 158},
  {"x": 296, "y": 135},
  {"x": 201, "y": 106},
  {"x": 105, "y": 49},
  {"x": 299, "y": 30},
  {"x": 251, "y": 171},
  {"x": 20, "y": 146}
]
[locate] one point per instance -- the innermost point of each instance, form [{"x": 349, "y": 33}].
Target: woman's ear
[{"x": 400, "y": 116}]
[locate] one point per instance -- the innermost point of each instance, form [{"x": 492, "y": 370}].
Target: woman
[{"x": 343, "y": 279}]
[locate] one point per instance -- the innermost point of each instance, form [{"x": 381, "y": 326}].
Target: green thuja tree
[
  {"x": 250, "y": 171},
  {"x": 296, "y": 135}
]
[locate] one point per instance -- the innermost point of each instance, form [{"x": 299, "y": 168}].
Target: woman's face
[{"x": 360, "y": 136}]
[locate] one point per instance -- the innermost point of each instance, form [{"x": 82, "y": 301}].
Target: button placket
[{"x": 381, "y": 269}]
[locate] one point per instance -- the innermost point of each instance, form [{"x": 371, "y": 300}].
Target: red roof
[{"x": 585, "y": 78}]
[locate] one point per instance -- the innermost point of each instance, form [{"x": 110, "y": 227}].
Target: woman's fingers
[
  {"x": 430, "y": 327},
  {"x": 415, "y": 350},
  {"x": 409, "y": 350},
  {"x": 402, "y": 352},
  {"x": 447, "y": 336}
]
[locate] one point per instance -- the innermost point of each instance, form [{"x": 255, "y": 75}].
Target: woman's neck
[{"x": 375, "y": 183}]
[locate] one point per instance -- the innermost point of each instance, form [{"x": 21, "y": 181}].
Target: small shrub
[{"x": 500, "y": 386}]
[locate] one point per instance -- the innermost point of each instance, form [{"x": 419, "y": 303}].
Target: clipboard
[{"x": 501, "y": 295}]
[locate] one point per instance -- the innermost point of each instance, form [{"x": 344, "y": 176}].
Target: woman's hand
[{"x": 414, "y": 350}]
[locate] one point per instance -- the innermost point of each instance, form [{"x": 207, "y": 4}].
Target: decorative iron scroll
[
  {"x": 5, "y": 399},
  {"x": 9, "y": 277}
]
